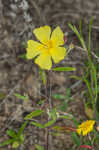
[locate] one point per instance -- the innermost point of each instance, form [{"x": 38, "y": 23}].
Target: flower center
[{"x": 49, "y": 44}]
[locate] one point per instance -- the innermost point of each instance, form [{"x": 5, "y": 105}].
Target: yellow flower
[
  {"x": 49, "y": 47},
  {"x": 85, "y": 127}
]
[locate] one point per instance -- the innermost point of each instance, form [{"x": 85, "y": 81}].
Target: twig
[
  {"x": 93, "y": 54},
  {"x": 66, "y": 114},
  {"x": 75, "y": 84},
  {"x": 95, "y": 27}
]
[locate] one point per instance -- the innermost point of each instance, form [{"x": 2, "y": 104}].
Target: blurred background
[{"x": 18, "y": 18}]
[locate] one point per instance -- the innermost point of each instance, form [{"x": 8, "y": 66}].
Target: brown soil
[{"x": 17, "y": 20}]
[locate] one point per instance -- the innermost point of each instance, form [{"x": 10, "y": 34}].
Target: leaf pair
[{"x": 15, "y": 138}]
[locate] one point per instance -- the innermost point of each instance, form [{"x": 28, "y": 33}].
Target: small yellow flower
[
  {"x": 85, "y": 127},
  {"x": 49, "y": 47}
]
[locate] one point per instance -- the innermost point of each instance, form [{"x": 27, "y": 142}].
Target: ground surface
[{"x": 17, "y": 20}]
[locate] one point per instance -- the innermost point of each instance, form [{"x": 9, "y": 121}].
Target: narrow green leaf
[
  {"x": 11, "y": 133},
  {"x": 64, "y": 69},
  {"x": 38, "y": 147},
  {"x": 94, "y": 76},
  {"x": 34, "y": 114},
  {"x": 7, "y": 142},
  {"x": 66, "y": 117},
  {"x": 76, "y": 139},
  {"x": 55, "y": 134},
  {"x": 37, "y": 124},
  {"x": 89, "y": 88},
  {"x": 57, "y": 128},
  {"x": 21, "y": 129},
  {"x": 21, "y": 96},
  {"x": 79, "y": 35},
  {"x": 49, "y": 123},
  {"x": 76, "y": 77}
]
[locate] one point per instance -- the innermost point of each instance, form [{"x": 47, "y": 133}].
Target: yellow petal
[
  {"x": 79, "y": 131},
  {"x": 44, "y": 61},
  {"x": 86, "y": 127},
  {"x": 33, "y": 49},
  {"x": 84, "y": 133},
  {"x": 57, "y": 36},
  {"x": 43, "y": 33},
  {"x": 58, "y": 53}
]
